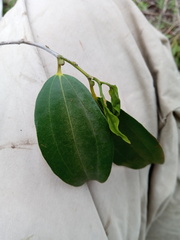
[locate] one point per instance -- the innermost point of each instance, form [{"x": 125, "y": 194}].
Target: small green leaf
[
  {"x": 113, "y": 120},
  {"x": 115, "y": 101},
  {"x": 144, "y": 148},
  {"x": 73, "y": 134}
]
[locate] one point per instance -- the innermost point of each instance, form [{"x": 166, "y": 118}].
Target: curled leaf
[
  {"x": 115, "y": 101},
  {"x": 112, "y": 119},
  {"x": 144, "y": 148},
  {"x": 113, "y": 122}
]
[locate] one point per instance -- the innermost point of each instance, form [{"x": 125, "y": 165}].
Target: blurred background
[{"x": 165, "y": 16}]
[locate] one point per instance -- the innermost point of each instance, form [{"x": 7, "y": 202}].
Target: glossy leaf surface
[
  {"x": 73, "y": 134},
  {"x": 144, "y": 148}
]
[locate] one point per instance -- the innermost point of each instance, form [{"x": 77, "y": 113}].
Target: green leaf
[
  {"x": 113, "y": 120},
  {"x": 73, "y": 134},
  {"x": 144, "y": 148},
  {"x": 115, "y": 101}
]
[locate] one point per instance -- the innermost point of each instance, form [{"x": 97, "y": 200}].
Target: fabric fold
[
  {"x": 40, "y": 206},
  {"x": 113, "y": 41}
]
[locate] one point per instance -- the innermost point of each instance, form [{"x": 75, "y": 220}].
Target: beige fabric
[
  {"x": 1, "y": 8},
  {"x": 113, "y": 41}
]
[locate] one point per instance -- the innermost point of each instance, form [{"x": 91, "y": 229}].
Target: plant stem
[
  {"x": 61, "y": 60},
  {"x": 22, "y": 41}
]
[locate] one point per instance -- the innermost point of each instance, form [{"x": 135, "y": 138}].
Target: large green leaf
[
  {"x": 144, "y": 148},
  {"x": 73, "y": 134}
]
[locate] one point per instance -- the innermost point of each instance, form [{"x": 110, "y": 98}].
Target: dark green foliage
[
  {"x": 72, "y": 132},
  {"x": 79, "y": 143},
  {"x": 144, "y": 148}
]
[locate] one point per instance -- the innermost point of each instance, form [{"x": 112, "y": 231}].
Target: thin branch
[
  {"x": 59, "y": 57},
  {"x": 61, "y": 60},
  {"x": 22, "y": 41},
  {"x": 88, "y": 76},
  {"x": 52, "y": 52}
]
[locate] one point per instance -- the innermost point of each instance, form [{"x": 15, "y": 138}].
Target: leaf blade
[
  {"x": 112, "y": 119},
  {"x": 144, "y": 148},
  {"x": 115, "y": 100},
  {"x": 66, "y": 111},
  {"x": 113, "y": 122}
]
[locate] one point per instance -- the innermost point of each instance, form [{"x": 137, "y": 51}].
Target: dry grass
[{"x": 165, "y": 16}]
